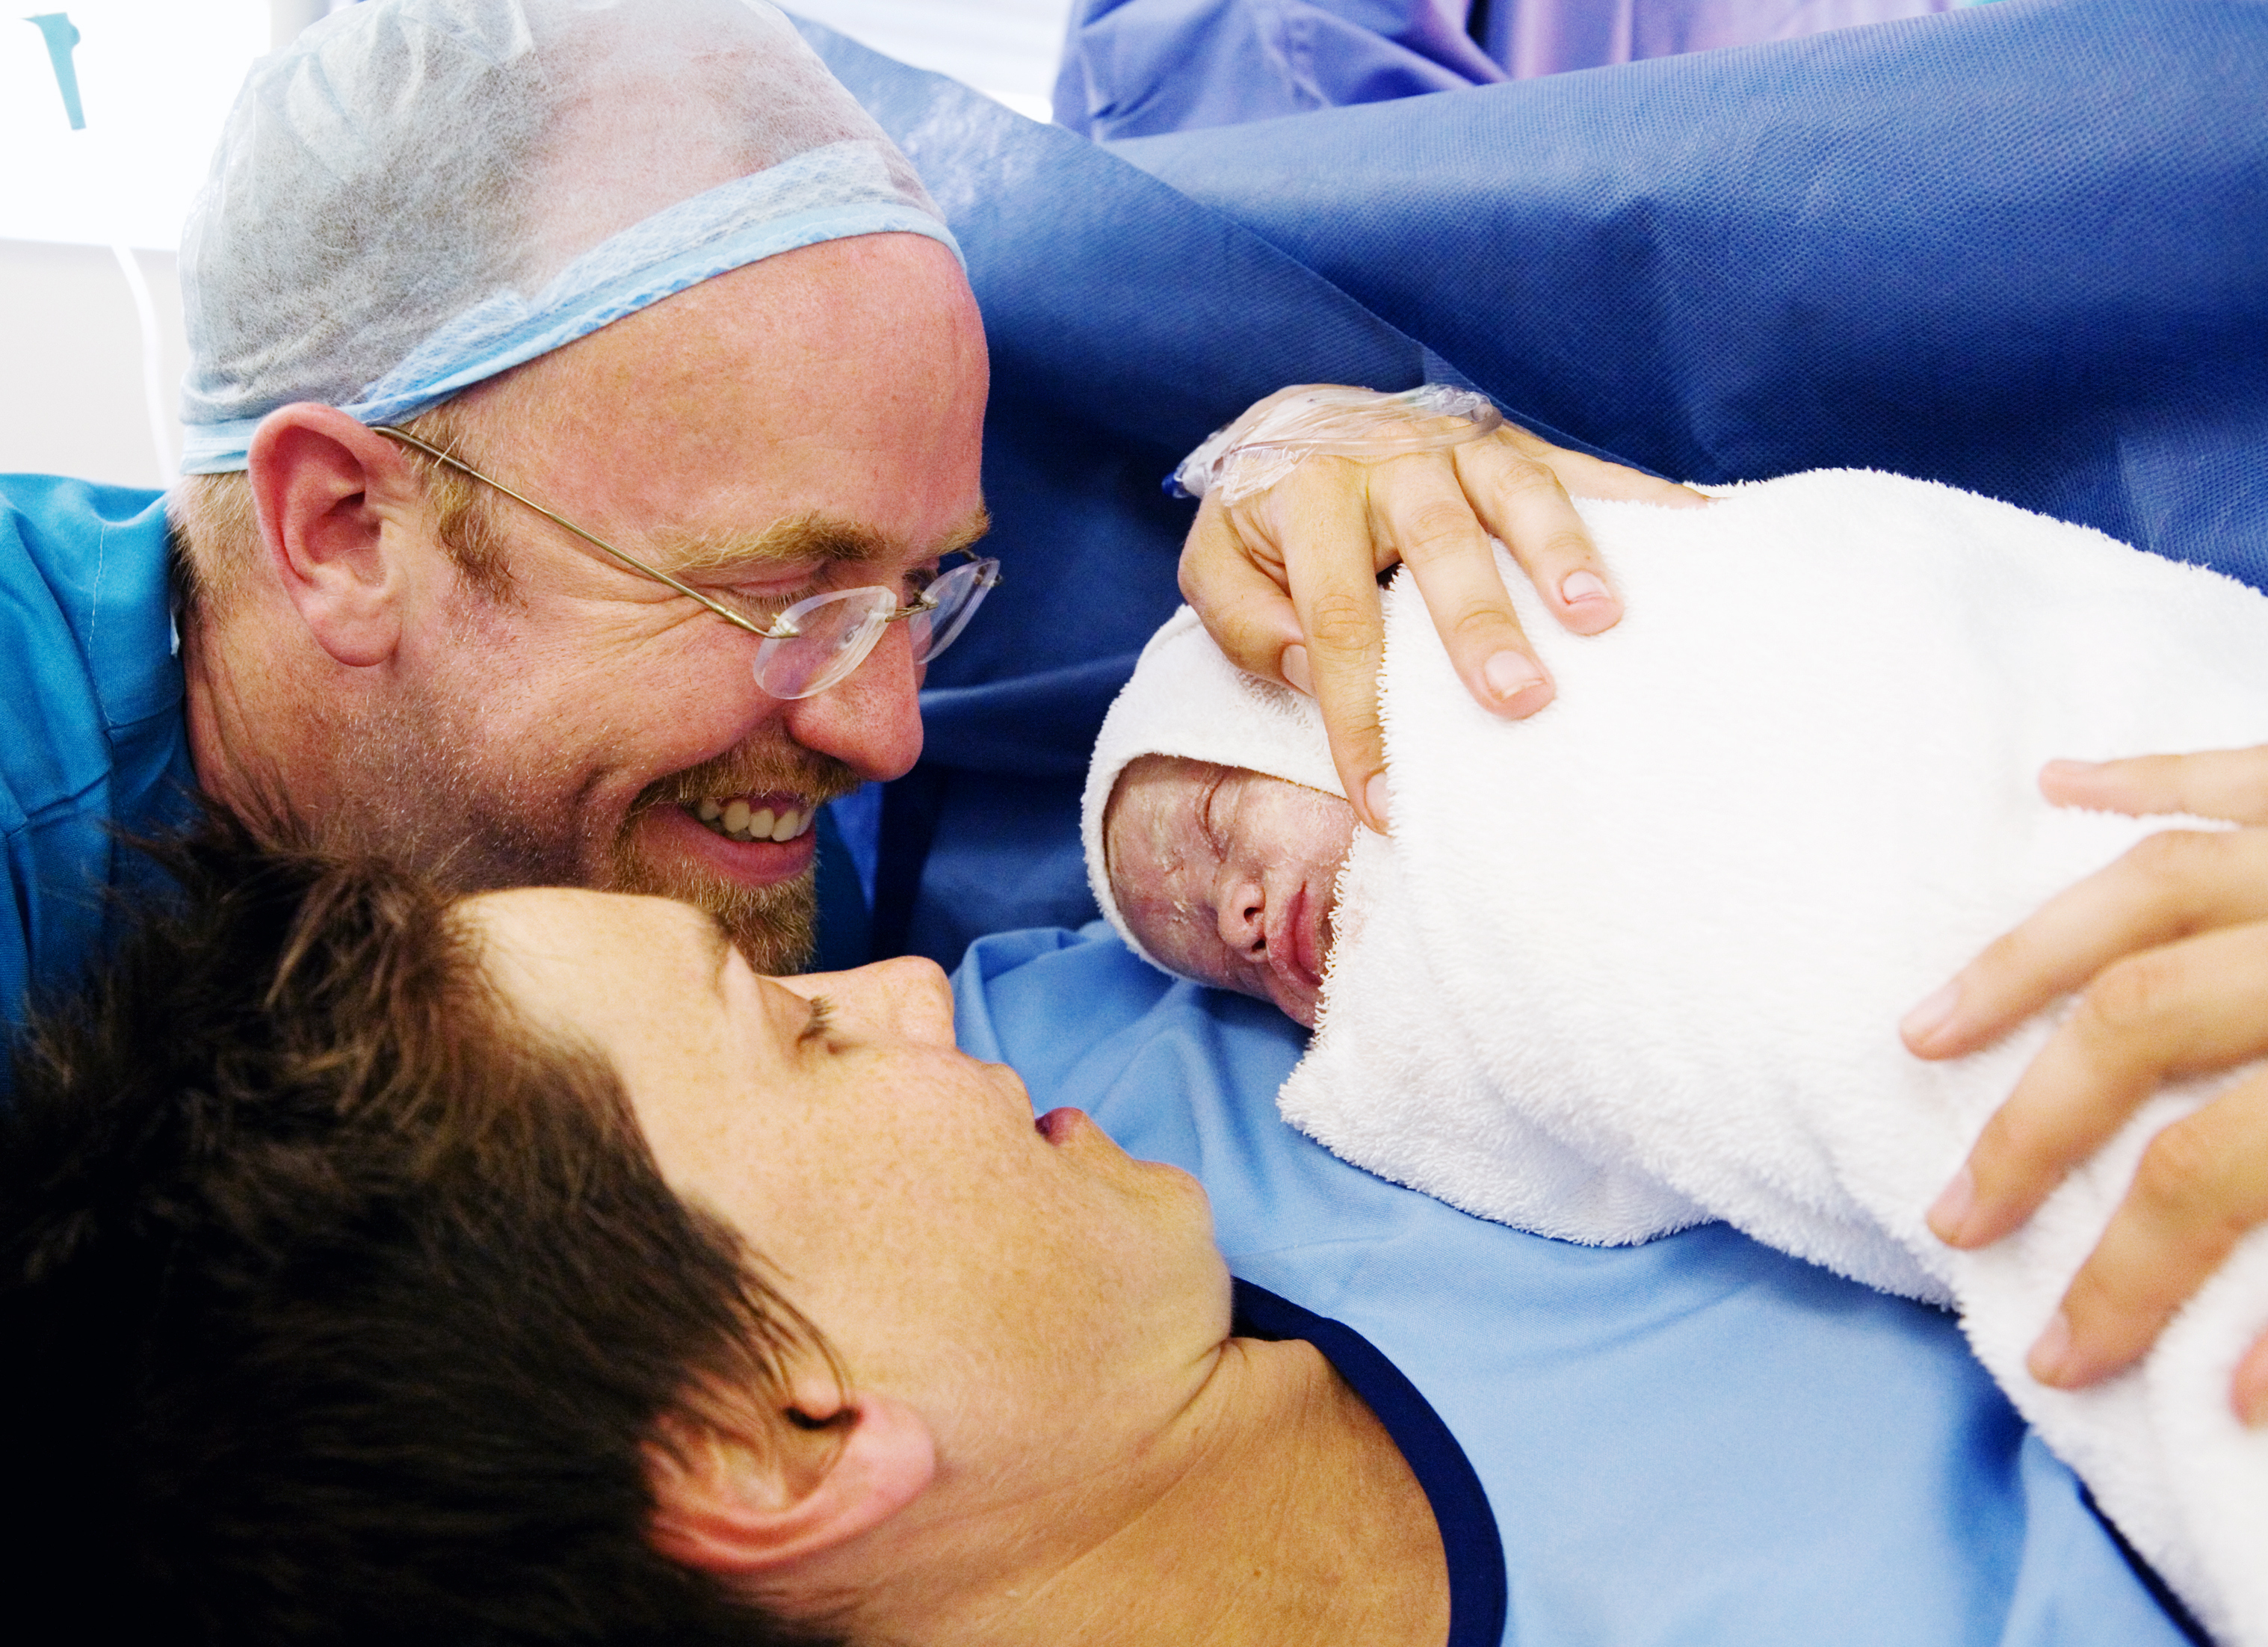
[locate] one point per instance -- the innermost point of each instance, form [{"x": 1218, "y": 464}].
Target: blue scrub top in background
[
  {"x": 96, "y": 745},
  {"x": 1135, "y": 67},
  {"x": 1695, "y": 1441}
]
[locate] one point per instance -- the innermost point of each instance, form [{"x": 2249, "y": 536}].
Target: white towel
[{"x": 1639, "y": 960}]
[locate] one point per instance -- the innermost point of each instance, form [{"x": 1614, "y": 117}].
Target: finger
[
  {"x": 2165, "y": 887},
  {"x": 2248, "y": 1391},
  {"x": 1240, "y": 590},
  {"x": 1418, "y": 507},
  {"x": 2178, "y": 1010},
  {"x": 1526, "y": 506},
  {"x": 2231, "y": 783},
  {"x": 2199, "y": 1189},
  {"x": 1334, "y": 583},
  {"x": 1586, "y": 477}
]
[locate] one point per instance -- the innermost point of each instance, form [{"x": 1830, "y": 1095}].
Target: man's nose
[
  {"x": 909, "y": 998},
  {"x": 871, "y": 722}
]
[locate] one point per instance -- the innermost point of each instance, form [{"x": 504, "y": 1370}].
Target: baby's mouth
[
  {"x": 765, "y": 817},
  {"x": 1297, "y": 947}
]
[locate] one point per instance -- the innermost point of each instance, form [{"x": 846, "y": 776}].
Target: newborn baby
[
  {"x": 1228, "y": 875},
  {"x": 1638, "y": 961}
]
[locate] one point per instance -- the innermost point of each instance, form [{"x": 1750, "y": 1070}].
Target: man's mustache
[{"x": 796, "y": 771}]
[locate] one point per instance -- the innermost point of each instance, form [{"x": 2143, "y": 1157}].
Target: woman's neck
[{"x": 1276, "y": 1510}]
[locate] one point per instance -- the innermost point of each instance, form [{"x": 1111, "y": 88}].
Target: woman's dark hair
[{"x": 336, "y": 1305}]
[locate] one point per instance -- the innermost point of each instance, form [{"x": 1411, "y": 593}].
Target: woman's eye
[{"x": 822, "y": 1019}]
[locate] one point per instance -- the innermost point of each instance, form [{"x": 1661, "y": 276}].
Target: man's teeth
[{"x": 736, "y": 820}]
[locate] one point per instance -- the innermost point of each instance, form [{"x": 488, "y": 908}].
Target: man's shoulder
[
  {"x": 62, "y": 525},
  {"x": 86, "y": 602},
  {"x": 92, "y": 691},
  {"x": 62, "y": 497},
  {"x": 57, "y": 527}
]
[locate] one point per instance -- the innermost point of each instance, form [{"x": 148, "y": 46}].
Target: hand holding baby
[
  {"x": 2168, "y": 950},
  {"x": 1285, "y": 580}
]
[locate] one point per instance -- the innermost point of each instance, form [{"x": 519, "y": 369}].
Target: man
[{"x": 531, "y": 1269}]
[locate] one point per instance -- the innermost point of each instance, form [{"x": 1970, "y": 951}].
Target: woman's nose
[{"x": 909, "y": 997}]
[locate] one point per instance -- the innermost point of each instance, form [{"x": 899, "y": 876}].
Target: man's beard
[
  {"x": 776, "y": 927},
  {"x": 475, "y": 828}
]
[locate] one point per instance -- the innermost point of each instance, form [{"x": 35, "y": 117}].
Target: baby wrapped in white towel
[{"x": 1638, "y": 961}]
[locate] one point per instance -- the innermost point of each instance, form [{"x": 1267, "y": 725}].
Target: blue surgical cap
[{"x": 419, "y": 194}]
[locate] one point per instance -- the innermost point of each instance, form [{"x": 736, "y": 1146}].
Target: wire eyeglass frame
[{"x": 856, "y": 616}]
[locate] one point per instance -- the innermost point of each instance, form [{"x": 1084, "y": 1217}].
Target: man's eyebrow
[
  {"x": 800, "y": 540},
  {"x": 968, "y": 532}
]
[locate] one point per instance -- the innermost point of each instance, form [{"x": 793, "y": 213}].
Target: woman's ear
[
  {"x": 322, "y": 484},
  {"x": 728, "y": 1507}
]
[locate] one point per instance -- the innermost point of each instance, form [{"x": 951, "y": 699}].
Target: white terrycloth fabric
[{"x": 1639, "y": 960}]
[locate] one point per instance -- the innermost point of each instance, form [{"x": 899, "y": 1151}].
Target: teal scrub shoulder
[{"x": 97, "y": 743}]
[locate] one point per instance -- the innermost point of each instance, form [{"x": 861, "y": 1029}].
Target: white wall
[
  {"x": 71, "y": 396},
  {"x": 1007, "y": 48}
]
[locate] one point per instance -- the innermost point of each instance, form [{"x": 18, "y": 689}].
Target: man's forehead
[
  {"x": 822, "y": 406},
  {"x": 801, "y": 540}
]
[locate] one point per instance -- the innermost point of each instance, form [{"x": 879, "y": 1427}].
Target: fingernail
[
  {"x": 1373, "y": 800},
  {"x": 1921, "y": 1024},
  {"x": 2050, "y": 1358},
  {"x": 1509, "y": 674},
  {"x": 2068, "y": 770},
  {"x": 1293, "y": 667},
  {"x": 1949, "y": 1215},
  {"x": 1581, "y": 586},
  {"x": 2250, "y": 1392}
]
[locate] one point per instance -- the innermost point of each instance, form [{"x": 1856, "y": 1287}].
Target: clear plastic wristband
[{"x": 1267, "y": 443}]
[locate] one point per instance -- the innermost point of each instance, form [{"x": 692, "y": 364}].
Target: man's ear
[
  {"x": 730, "y": 1508},
  {"x": 323, "y": 485}
]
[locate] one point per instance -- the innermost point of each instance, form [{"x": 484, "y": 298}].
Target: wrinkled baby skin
[{"x": 1228, "y": 875}]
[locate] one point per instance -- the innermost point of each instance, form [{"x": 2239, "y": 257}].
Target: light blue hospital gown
[
  {"x": 95, "y": 742},
  {"x": 1695, "y": 1441}
]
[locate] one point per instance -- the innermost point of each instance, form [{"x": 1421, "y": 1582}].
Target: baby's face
[{"x": 1228, "y": 875}]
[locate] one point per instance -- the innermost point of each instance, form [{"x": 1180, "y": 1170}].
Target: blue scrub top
[
  {"x": 1697, "y": 1440},
  {"x": 96, "y": 745}
]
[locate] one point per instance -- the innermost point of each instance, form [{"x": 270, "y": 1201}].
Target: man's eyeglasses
[{"x": 816, "y": 643}]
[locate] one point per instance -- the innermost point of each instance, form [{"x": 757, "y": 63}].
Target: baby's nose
[{"x": 1240, "y": 906}]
